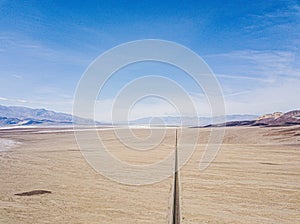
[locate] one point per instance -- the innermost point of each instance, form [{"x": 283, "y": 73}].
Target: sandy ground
[{"x": 255, "y": 178}]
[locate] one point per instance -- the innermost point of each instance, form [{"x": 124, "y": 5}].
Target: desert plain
[{"x": 254, "y": 178}]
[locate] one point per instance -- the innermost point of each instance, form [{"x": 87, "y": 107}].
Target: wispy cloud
[
  {"x": 52, "y": 91},
  {"x": 251, "y": 78},
  {"x": 14, "y": 100},
  {"x": 17, "y": 76},
  {"x": 20, "y": 44},
  {"x": 281, "y": 25},
  {"x": 263, "y": 65},
  {"x": 260, "y": 81},
  {"x": 280, "y": 97},
  {"x": 43, "y": 54}
]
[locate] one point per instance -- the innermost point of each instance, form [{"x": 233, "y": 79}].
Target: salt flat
[{"x": 255, "y": 178}]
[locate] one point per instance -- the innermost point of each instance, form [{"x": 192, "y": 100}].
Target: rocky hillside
[
  {"x": 279, "y": 119},
  {"x": 268, "y": 120},
  {"x": 21, "y": 116},
  {"x": 35, "y": 114}
]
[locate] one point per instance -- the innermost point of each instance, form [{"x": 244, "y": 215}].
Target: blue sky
[{"x": 253, "y": 47}]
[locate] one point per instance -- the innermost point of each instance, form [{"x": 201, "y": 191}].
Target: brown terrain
[
  {"x": 255, "y": 178},
  {"x": 280, "y": 119},
  {"x": 277, "y": 119}
]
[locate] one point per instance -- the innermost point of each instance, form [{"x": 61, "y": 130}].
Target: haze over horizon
[{"x": 252, "y": 48}]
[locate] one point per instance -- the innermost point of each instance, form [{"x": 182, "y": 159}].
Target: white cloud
[
  {"x": 263, "y": 81},
  {"x": 282, "y": 96},
  {"x": 23, "y": 45},
  {"x": 14, "y": 100},
  {"x": 17, "y": 76},
  {"x": 22, "y": 101},
  {"x": 249, "y": 78},
  {"x": 259, "y": 82},
  {"x": 259, "y": 65}
]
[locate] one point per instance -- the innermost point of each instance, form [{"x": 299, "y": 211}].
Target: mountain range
[
  {"x": 22, "y": 116},
  {"x": 268, "y": 120},
  {"x": 189, "y": 121}
]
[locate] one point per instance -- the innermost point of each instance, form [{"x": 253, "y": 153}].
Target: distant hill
[
  {"x": 279, "y": 119},
  {"x": 21, "y": 116},
  {"x": 267, "y": 120},
  {"x": 188, "y": 121},
  {"x": 29, "y": 113}
]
